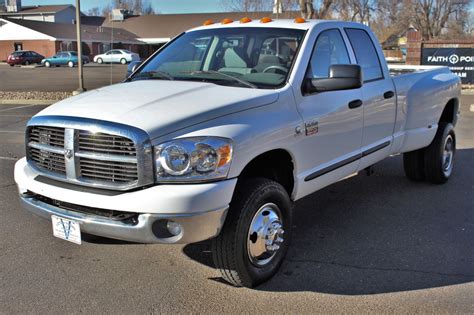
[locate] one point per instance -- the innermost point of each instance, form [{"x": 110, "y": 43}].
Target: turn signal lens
[
  {"x": 245, "y": 20},
  {"x": 300, "y": 20},
  {"x": 226, "y": 21},
  {"x": 265, "y": 20},
  {"x": 225, "y": 155},
  {"x": 208, "y": 22}
]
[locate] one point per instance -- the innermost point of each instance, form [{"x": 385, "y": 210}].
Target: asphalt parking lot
[
  {"x": 377, "y": 244},
  {"x": 60, "y": 79}
]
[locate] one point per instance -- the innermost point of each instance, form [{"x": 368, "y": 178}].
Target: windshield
[{"x": 244, "y": 57}]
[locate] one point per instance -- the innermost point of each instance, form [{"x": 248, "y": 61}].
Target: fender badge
[{"x": 311, "y": 127}]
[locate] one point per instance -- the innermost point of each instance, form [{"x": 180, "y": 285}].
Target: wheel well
[
  {"x": 450, "y": 112},
  {"x": 276, "y": 165}
]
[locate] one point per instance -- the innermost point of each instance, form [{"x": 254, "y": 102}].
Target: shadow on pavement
[{"x": 378, "y": 234}]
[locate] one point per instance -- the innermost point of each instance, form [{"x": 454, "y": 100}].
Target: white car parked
[{"x": 122, "y": 56}]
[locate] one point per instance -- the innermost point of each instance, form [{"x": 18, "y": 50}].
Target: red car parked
[{"x": 24, "y": 57}]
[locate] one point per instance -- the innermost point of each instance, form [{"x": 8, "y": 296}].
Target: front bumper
[
  {"x": 200, "y": 209},
  {"x": 195, "y": 227}
]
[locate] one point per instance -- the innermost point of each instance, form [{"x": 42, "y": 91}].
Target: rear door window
[{"x": 365, "y": 53}]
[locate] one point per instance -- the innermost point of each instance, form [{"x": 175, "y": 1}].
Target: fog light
[{"x": 174, "y": 228}]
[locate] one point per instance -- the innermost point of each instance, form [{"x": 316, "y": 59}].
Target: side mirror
[
  {"x": 341, "y": 77},
  {"x": 132, "y": 66},
  {"x": 135, "y": 65}
]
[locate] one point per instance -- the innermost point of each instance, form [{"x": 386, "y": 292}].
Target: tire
[
  {"x": 123, "y": 61},
  {"x": 47, "y": 64},
  {"x": 27, "y": 63},
  {"x": 100, "y": 61},
  {"x": 12, "y": 65},
  {"x": 414, "y": 165},
  {"x": 439, "y": 156},
  {"x": 70, "y": 64},
  {"x": 255, "y": 204}
]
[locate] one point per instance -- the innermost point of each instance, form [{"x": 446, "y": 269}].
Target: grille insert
[
  {"x": 49, "y": 161},
  {"x": 120, "y": 172},
  {"x": 47, "y": 136},
  {"x": 106, "y": 144}
]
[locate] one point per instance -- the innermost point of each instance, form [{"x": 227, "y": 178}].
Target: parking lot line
[
  {"x": 10, "y": 115},
  {"x": 18, "y": 107},
  {"x": 11, "y": 131},
  {"x": 8, "y": 158}
]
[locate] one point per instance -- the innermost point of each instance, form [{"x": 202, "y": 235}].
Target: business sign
[{"x": 459, "y": 60}]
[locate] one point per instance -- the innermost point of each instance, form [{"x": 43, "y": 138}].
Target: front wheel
[
  {"x": 47, "y": 64},
  {"x": 70, "y": 64},
  {"x": 100, "y": 61},
  {"x": 439, "y": 156},
  {"x": 256, "y": 234}
]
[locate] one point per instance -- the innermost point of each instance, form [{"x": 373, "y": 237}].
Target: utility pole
[{"x": 79, "y": 48}]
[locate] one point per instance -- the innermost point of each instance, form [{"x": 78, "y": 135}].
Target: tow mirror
[
  {"x": 132, "y": 66},
  {"x": 341, "y": 77}
]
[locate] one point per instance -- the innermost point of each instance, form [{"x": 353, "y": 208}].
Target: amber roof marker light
[
  {"x": 226, "y": 21},
  {"x": 245, "y": 20},
  {"x": 208, "y": 22},
  {"x": 265, "y": 20},
  {"x": 300, "y": 20}
]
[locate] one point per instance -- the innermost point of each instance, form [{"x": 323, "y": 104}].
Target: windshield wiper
[
  {"x": 151, "y": 75},
  {"x": 251, "y": 85}
]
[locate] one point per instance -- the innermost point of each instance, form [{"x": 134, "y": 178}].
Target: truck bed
[
  {"x": 397, "y": 70},
  {"x": 422, "y": 93}
]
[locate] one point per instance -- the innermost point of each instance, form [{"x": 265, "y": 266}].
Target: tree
[
  {"x": 431, "y": 17},
  {"x": 95, "y": 11},
  {"x": 309, "y": 9}
]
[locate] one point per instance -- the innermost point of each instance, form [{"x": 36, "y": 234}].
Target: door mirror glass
[{"x": 341, "y": 77}]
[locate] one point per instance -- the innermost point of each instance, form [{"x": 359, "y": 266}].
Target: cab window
[{"x": 329, "y": 49}]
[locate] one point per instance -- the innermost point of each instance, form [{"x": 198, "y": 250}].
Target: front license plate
[{"x": 66, "y": 229}]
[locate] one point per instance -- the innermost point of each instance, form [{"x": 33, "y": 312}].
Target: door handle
[
  {"x": 388, "y": 95},
  {"x": 355, "y": 104}
]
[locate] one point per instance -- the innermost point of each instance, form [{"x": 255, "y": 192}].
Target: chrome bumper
[{"x": 195, "y": 227}]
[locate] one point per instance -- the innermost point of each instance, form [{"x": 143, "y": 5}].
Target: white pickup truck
[{"x": 219, "y": 132}]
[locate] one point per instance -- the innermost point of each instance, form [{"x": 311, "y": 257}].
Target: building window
[{"x": 18, "y": 46}]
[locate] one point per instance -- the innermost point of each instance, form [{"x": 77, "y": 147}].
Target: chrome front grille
[{"x": 114, "y": 157}]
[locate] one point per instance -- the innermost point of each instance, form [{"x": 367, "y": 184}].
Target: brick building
[{"x": 47, "y": 38}]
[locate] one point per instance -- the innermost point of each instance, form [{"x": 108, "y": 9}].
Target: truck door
[
  {"x": 378, "y": 94},
  {"x": 332, "y": 135}
]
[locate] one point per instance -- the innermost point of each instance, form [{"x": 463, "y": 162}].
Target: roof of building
[
  {"x": 39, "y": 9},
  {"x": 170, "y": 25},
  {"x": 68, "y": 31}
]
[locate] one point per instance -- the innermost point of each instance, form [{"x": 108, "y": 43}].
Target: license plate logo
[{"x": 66, "y": 229}]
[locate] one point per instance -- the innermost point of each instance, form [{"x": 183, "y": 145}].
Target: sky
[{"x": 162, "y": 6}]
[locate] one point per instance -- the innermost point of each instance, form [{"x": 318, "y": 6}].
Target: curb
[
  {"x": 467, "y": 92},
  {"x": 27, "y": 102}
]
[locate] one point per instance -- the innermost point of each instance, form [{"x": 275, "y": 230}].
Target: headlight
[{"x": 193, "y": 159}]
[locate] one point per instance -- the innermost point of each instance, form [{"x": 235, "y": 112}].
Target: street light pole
[{"x": 79, "y": 47}]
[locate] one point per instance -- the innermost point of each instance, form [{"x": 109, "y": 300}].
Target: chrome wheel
[
  {"x": 265, "y": 235},
  {"x": 448, "y": 155}
]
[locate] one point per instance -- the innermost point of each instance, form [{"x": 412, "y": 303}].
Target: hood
[{"x": 161, "y": 107}]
